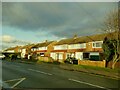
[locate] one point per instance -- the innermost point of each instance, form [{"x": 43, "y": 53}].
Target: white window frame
[
  {"x": 95, "y": 44},
  {"x": 77, "y": 46},
  {"x": 42, "y": 48},
  {"x": 83, "y": 44},
  {"x": 60, "y": 47}
]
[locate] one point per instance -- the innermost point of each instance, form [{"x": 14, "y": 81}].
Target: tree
[{"x": 111, "y": 45}]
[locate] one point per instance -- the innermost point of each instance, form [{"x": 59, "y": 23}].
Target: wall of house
[
  {"x": 89, "y": 47},
  {"x": 79, "y": 55},
  {"x": 92, "y": 63},
  {"x": 16, "y": 50},
  {"x": 50, "y": 48},
  {"x": 58, "y": 56},
  {"x": 53, "y": 55},
  {"x": 23, "y": 53}
]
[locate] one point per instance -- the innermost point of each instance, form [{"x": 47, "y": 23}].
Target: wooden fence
[{"x": 117, "y": 65}]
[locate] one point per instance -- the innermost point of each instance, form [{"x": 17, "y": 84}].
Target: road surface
[{"x": 34, "y": 76}]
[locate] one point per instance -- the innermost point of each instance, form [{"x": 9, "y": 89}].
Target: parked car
[
  {"x": 71, "y": 60},
  {"x": 2, "y": 56}
]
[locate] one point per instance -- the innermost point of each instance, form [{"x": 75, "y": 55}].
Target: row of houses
[{"x": 82, "y": 48}]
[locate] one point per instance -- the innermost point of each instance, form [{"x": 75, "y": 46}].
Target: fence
[{"x": 117, "y": 65}]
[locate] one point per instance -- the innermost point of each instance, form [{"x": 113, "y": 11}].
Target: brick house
[
  {"x": 13, "y": 51},
  {"x": 16, "y": 49},
  {"x": 26, "y": 51},
  {"x": 82, "y": 48},
  {"x": 43, "y": 49}
]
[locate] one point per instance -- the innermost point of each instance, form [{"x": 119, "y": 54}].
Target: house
[
  {"x": 43, "y": 49},
  {"x": 16, "y": 49},
  {"x": 82, "y": 48},
  {"x": 71, "y": 47},
  {"x": 26, "y": 51}
]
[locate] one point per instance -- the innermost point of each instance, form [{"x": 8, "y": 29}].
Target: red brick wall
[
  {"x": 90, "y": 48},
  {"x": 92, "y": 63}
]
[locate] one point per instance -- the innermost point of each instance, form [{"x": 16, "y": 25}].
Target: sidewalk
[{"x": 110, "y": 73}]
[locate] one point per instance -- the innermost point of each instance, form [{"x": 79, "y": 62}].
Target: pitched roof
[
  {"x": 28, "y": 46},
  {"x": 44, "y": 44},
  {"x": 84, "y": 39},
  {"x": 13, "y": 48}
]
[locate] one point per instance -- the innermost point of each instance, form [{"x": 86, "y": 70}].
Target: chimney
[
  {"x": 75, "y": 36},
  {"x": 46, "y": 41}
]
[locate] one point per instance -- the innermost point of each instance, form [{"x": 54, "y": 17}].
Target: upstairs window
[
  {"x": 77, "y": 46},
  {"x": 60, "y": 47},
  {"x": 83, "y": 45},
  {"x": 97, "y": 44}
]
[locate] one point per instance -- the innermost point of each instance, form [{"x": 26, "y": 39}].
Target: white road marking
[
  {"x": 19, "y": 81},
  {"x": 88, "y": 84},
  {"x": 40, "y": 71}
]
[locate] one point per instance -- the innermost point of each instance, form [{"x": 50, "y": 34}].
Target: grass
[
  {"x": 54, "y": 62},
  {"x": 112, "y": 73},
  {"x": 96, "y": 68}
]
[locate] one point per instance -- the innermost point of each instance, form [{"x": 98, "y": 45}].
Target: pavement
[
  {"x": 105, "y": 73},
  {"x": 16, "y": 75}
]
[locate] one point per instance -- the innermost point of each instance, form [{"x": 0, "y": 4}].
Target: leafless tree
[{"x": 111, "y": 25}]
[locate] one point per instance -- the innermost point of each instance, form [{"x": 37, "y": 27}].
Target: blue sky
[{"x": 32, "y": 22}]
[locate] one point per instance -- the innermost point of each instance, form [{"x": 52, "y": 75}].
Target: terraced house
[
  {"x": 43, "y": 49},
  {"x": 82, "y": 48},
  {"x": 16, "y": 49},
  {"x": 13, "y": 51},
  {"x": 26, "y": 51}
]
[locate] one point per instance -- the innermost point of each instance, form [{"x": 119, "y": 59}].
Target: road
[{"x": 37, "y": 76}]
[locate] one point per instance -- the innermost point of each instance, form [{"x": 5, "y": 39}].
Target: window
[
  {"x": 41, "y": 54},
  {"x": 77, "y": 46},
  {"x": 97, "y": 44},
  {"x": 42, "y": 48},
  {"x": 86, "y": 55},
  {"x": 83, "y": 45},
  {"x": 60, "y": 47}
]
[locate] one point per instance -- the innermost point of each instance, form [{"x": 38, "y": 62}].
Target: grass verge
[{"x": 112, "y": 73}]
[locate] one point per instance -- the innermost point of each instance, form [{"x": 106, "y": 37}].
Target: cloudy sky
[{"x": 32, "y": 22}]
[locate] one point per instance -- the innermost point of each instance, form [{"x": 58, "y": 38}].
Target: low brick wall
[
  {"x": 92, "y": 63},
  {"x": 45, "y": 59}
]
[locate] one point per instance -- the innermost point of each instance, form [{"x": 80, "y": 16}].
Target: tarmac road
[{"x": 38, "y": 76}]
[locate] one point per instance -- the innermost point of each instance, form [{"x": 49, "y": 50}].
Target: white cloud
[
  {"x": 9, "y": 41},
  {"x": 7, "y": 38}
]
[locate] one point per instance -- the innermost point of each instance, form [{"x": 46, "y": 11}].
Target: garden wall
[
  {"x": 45, "y": 59},
  {"x": 92, "y": 63}
]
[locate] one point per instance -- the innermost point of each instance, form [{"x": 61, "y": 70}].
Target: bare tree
[
  {"x": 111, "y": 25},
  {"x": 111, "y": 22}
]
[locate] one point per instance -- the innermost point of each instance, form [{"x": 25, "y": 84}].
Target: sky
[{"x": 35, "y": 22}]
